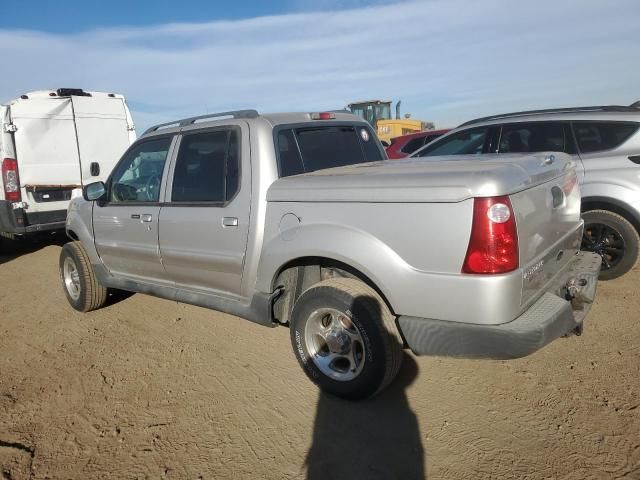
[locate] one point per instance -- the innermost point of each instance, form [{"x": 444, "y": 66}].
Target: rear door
[
  {"x": 45, "y": 142},
  {"x": 103, "y": 133},
  {"x": 126, "y": 224},
  {"x": 204, "y": 223}
]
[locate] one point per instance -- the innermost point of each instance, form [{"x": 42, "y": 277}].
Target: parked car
[
  {"x": 605, "y": 144},
  {"x": 52, "y": 142},
  {"x": 294, "y": 219},
  {"x": 401, "y": 147}
]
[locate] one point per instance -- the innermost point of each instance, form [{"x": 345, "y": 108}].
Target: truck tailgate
[{"x": 549, "y": 230}]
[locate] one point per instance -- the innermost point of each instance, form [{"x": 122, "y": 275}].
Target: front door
[
  {"x": 204, "y": 222},
  {"x": 126, "y": 224}
]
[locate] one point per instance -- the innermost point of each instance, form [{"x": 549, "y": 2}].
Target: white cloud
[{"x": 448, "y": 60}]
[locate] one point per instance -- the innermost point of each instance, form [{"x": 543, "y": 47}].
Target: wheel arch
[
  {"x": 298, "y": 274},
  {"x": 612, "y": 205}
]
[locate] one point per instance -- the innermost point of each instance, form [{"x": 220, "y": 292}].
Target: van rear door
[
  {"x": 103, "y": 133},
  {"x": 45, "y": 142}
]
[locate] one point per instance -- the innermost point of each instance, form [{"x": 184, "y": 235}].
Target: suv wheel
[
  {"x": 79, "y": 281},
  {"x": 345, "y": 338},
  {"x": 613, "y": 238}
]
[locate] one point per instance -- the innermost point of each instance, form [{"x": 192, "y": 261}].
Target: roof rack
[
  {"x": 602, "y": 108},
  {"x": 191, "y": 120}
]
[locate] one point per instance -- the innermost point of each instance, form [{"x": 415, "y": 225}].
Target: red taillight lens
[
  {"x": 493, "y": 246},
  {"x": 11, "y": 180},
  {"x": 323, "y": 116}
]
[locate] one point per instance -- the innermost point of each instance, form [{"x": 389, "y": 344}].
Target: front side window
[
  {"x": 137, "y": 177},
  {"x": 207, "y": 167},
  {"x": 533, "y": 137},
  {"x": 307, "y": 149},
  {"x": 595, "y": 136},
  {"x": 467, "y": 142}
]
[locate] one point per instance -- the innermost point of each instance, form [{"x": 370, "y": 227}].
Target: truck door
[
  {"x": 126, "y": 223},
  {"x": 103, "y": 133},
  {"x": 204, "y": 222}
]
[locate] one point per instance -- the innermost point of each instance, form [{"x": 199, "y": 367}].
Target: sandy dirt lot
[{"x": 147, "y": 388}]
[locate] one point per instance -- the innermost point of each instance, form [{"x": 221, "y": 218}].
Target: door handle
[
  {"x": 135, "y": 216},
  {"x": 229, "y": 222},
  {"x": 147, "y": 218}
]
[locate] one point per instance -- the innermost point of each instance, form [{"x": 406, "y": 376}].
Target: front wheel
[
  {"x": 613, "y": 238},
  {"x": 345, "y": 338},
  {"x": 79, "y": 281}
]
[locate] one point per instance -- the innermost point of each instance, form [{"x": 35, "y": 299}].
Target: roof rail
[
  {"x": 602, "y": 108},
  {"x": 191, "y": 120}
]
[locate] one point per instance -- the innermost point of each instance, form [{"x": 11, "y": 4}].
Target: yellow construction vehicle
[{"x": 378, "y": 114}]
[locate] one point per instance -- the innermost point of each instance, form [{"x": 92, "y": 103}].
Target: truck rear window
[{"x": 306, "y": 149}]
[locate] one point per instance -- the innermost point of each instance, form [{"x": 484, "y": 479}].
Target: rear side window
[
  {"x": 467, "y": 142},
  {"x": 533, "y": 137},
  {"x": 412, "y": 145},
  {"x": 595, "y": 136},
  {"x": 302, "y": 150},
  {"x": 207, "y": 167}
]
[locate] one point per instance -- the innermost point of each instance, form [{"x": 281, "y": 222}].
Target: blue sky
[{"x": 447, "y": 60}]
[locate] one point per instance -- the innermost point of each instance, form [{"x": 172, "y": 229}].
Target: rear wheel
[
  {"x": 612, "y": 237},
  {"x": 79, "y": 281},
  {"x": 345, "y": 338}
]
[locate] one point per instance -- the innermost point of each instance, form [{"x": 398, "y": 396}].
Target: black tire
[
  {"x": 90, "y": 295},
  {"x": 381, "y": 350},
  {"x": 612, "y": 237},
  {"x": 8, "y": 243}
]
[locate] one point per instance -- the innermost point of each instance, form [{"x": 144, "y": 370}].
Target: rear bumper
[
  {"x": 560, "y": 310},
  {"x": 17, "y": 221}
]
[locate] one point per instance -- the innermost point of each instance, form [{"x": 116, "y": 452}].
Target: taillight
[
  {"x": 323, "y": 116},
  {"x": 493, "y": 246},
  {"x": 11, "y": 180}
]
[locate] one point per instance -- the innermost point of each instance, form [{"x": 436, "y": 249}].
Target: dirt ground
[{"x": 147, "y": 388}]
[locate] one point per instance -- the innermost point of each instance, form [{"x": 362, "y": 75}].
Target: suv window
[
  {"x": 533, "y": 137},
  {"x": 413, "y": 144},
  {"x": 207, "y": 167},
  {"x": 594, "y": 136},
  {"x": 137, "y": 176},
  {"x": 467, "y": 142},
  {"x": 307, "y": 149}
]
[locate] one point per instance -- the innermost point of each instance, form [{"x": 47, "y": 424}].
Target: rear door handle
[
  {"x": 135, "y": 216},
  {"x": 229, "y": 222}
]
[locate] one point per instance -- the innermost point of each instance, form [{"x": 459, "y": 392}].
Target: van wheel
[
  {"x": 79, "y": 281},
  {"x": 613, "y": 238},
  {"x": 345, "y": 338}
]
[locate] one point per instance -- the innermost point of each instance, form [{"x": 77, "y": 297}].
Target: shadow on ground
[
  {"x": 374, "y": 439},
  {"x": 12, "y": 249}
]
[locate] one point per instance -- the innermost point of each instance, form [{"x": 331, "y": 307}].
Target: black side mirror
[
  {"x": 94, "y": 191},
  {"x": 94, "y": 169}
]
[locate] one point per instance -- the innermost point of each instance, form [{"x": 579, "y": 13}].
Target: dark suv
[{"x": 605, "y": 144}]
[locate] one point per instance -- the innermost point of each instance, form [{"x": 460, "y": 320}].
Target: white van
[{"x": 52, "y": 142}]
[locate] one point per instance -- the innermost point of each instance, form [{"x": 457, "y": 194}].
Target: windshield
[{"x": 303, "y": 150}]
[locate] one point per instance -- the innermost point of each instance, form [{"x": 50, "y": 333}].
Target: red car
[{"x": 407, "y": 144}]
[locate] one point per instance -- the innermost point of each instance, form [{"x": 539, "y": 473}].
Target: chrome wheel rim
[
  {"x": 335, "y": 344},
  {"x": 71, "y": 278}
]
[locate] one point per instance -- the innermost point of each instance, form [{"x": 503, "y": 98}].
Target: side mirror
[
  {"x": 94, "y": 191},
  {"x": 94, "y": 169}
]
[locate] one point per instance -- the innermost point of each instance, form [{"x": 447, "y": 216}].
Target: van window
[
  {"x": 533, "y": 137},
  {"x": 307, "y": 149},
  {"x": 207, "y": 167},
  {"x": 137, "y": 176},
  {"x": 466, "y": 142},
  {"x": 595, "y": 136}
]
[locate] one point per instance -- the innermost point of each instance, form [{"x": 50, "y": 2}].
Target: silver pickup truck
[{"x": 296, "y": 219}]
